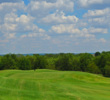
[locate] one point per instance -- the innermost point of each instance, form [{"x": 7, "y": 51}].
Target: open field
[{"x": 52, "y": 85}]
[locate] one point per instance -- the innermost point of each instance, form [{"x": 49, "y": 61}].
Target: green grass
[{"x": 53, "y": 85}]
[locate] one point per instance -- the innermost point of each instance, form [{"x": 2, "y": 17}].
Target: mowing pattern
[{"x": 52, "y": 85}]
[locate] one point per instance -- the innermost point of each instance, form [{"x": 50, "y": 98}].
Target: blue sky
[{"x": 54, "y": 26}]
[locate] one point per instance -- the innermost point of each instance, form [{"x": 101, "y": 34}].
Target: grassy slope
[{"x": 52, "y": 85}]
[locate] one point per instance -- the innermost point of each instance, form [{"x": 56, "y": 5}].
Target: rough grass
[{"x": 53, "y": 85}]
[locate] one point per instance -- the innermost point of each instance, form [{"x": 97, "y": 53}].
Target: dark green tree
[
  {"x": 97, "y": 54},
  {"x": 107, "y": 70},
  {"x": 24, "y": 63},
  {"x": 93, "y": 68},
  {"x": 85, "y": 59},
  {"x": 40, "y": 62},
  {"x": 64, "y": 62},
  {"x": 7, "y": 62},
  {"x": 76, "y": 64},
  {"x": 100, "y": 61}
]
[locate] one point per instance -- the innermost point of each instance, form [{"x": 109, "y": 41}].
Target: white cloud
[
  {"x": 44, "y": 36},
  {"x": 97, "y": 13},
  {"x": 42, "y": 8},
  {"x": 98, "y": 18},
  {"x": 100, "y": 22},
  {"x": 94, "y": 3},
  {"x": 58, "y": 18},
  {"x": 21, "y": 24},
  {"x": 86, "y": 3},
  {"x": 24, "y": 19},
  {"x": 12, "y": 22},
  {"x": 63, "y": 28},
  {"x": 7, "y": 8},
  {"x": 14, "y": 25},
  {"x": 98, "y": 30},
  {"x": 70, "y": 29}
]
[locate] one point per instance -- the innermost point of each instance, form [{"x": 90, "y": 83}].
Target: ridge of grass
[{"x": 44, "y": 84}]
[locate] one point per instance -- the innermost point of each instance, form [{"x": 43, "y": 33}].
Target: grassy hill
[{"x": 52, "y": 85}]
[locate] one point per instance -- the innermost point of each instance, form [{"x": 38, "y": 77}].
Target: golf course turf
[{"x": 44, "y": 84}]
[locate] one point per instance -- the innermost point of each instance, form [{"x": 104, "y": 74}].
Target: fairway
[{"x": 52, "y": 85}]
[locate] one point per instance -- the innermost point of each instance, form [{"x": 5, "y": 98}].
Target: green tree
[
  {"x": 40, "y": 62},
  {"x": 64, "y": 62},
  {"x": 101, "y": 62},
  {"x": 107, "y": 70},
  {"x": 7, "y": 62},
  {"x": 93, "y": 68},
  {"x": 97, "y": 54},
  {"x": 32, "y": 60},
  {"x": 85, "y": 59},
  {"x": 24, "y": 63},
  {"x": 76, "y": 64}
]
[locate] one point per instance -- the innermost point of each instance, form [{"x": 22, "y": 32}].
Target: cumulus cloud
[
  {"x": 24, "y": 19},
  {"x": 94, "y": 3},
  {"x": 42, "y": 8},
  {"x": 6, "y": 8},
  {"x": 98, "y": 30},
  {"x": 97, "y": 13},
  {"x": 12, "y": 22},
  {"x": 59, "y": 18},
  {"x": 98, "y": 18},
  {"x": 73, "y": 31},
  {"x": 42, "y": 35},
  {"x": 100, "y": 22},
  {"x": 14, "y": 25},
  {"x": 54, "y": 22},
  {"x": 70, "y": 29}
]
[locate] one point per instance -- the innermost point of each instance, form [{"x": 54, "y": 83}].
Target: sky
[{"x": 54, "y": 26}]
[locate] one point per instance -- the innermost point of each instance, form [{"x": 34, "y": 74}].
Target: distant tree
[
  {"x": 93, "y": 68},
  {"x": 85, "y": 59},
  {"x": 101, "y": 62},
  {"x": 97, "y": 53},
  {"x": 51, "y": 62},
  {"x": 64, "y": 62},
  {"x": 75, "y": 64},
  {"x": 98, "y": 64},
  {"x": 40, "y": 62},
  {"x": 32, "y": 60},
  {"x": 7, "y": 62},
  {"x": 61, "y": 62},
  {"x": 24, "y": 63},
  {"x": 107, "y": 70}
]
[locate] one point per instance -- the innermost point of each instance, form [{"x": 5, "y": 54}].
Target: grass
[{"x": 52, "y": 85}]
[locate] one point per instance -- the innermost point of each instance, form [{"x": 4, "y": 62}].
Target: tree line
[{"x": 98, "y": 63}]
